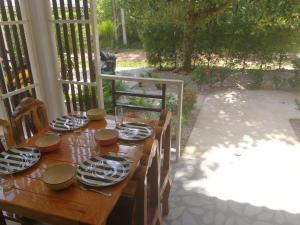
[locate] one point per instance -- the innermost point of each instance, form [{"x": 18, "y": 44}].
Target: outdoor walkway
[{"x": 241, "y": 165}]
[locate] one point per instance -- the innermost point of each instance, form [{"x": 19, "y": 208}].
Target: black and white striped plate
[
  {"x": 69, "y": 123},
  {"x": 134, "y": 131},
  {"x": 18, "y": 159},
  {"x": 103, "y": 171}
]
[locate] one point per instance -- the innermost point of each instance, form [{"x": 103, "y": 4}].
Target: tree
[
  {"x": 196, "y": 12},
  {"x": 260, "y": 30}
]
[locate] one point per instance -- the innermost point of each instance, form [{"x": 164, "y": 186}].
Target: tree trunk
[
  {"x": 188, "y": 38},
  {"x": 115, "y": 20}
]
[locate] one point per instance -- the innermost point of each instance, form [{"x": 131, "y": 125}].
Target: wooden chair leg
[
  {"x": 2, "y": 219},
  {"x": 165, "y": 199}
]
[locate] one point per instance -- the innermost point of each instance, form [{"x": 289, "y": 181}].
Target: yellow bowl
[
  {"x": 96, "y": 114},
  {"x": 59, "y": 177}
]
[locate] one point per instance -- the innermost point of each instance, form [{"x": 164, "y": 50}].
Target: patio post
[
  {"x": 43, "y": 54},
  {"x": 97, "y": 55}
]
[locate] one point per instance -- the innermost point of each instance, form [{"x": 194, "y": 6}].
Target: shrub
[
  {"x": 106, "y": 32},
  {"x": 107, "y": 92},
  {"x": 162, "y": 42},
  {"x": 199, "y": 77}
]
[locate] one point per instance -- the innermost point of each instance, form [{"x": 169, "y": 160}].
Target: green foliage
[
  {"x": 107, "y": 92},
  {"x": 261, "y": 31},
  {"x": 139, "y": 101},
  {"x": 162, "y": 42},
  {"x": 210, "y": 75},
  {"x": 199, "y": 76},
  {"x": 189, "y": 100},
  {"x": 106, "y": 31}
]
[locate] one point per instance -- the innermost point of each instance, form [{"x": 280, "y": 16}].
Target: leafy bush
[
  {"x": 189, "y": 100},
  {"x": 107, "y": 92},
  {"x": 162, "y": 42},
  {"x": 106, "y": 32},
  {"x": 199, "y": 77},
  {"x": 210, "y": 75}
]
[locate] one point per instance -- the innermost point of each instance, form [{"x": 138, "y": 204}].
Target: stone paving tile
[{"x": 240, "y": 123}]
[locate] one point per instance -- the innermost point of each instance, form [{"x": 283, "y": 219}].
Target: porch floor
[{"x": 241, "y": 164}]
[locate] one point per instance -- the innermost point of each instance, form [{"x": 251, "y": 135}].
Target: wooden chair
[
  {"x": 163, "y": 135},
  {"x": 139, "y": 203},
  {"x": 10, "y": 142},
  {"x": 28, "y": 118},
  {"x": 8, "y": 134}
]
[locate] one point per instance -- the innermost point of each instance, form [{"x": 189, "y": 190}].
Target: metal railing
[{"x": 165, "y": 82}]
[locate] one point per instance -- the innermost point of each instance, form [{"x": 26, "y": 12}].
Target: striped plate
[
  {"x": 134, "y": 131},
  {"x": 69, "y": 123},
  {"x": 103, "y": 171},
  {"x": 18, "y": 159}
]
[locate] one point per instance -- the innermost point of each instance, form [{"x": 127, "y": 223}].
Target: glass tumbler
[{"x": 119, "y": 116}]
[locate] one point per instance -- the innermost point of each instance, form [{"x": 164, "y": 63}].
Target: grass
[{"x": 132, "y": 64}]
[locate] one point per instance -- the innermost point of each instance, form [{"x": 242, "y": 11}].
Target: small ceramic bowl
[
  {"x": 59, "y": 177},
  {"x": 106, "y": 137},
  {"x": 96, "y": 114},
  {"x": 48, "y": 143}
]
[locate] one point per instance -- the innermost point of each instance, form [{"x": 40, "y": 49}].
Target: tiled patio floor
[{"x": 241, "y": 164}]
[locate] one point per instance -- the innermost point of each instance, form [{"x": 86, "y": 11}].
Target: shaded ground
[{"x": 241, "y": 163}]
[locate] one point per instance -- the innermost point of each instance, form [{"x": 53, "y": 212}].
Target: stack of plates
[
  {"x": 134, "y": 131},
  {"x": 18, "y": 159},
  {"x": 69, "y": 123},
  {"x": 102, "y": 171}
]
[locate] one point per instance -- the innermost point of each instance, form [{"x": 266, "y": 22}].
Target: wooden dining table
[{"x": 31, "y": 198}]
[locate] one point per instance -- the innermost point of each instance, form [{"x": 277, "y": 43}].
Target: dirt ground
[{"x": 131, "y": 56}]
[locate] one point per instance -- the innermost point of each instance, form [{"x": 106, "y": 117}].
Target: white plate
[
  {"x": 18, "y": 159},
  {"x": 69, "y": 123},
  {"x": 103, "y": 171},
  {"x": 134, "y": 131}
]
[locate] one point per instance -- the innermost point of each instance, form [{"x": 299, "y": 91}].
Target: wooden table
[{"x": 31, "y": 197}]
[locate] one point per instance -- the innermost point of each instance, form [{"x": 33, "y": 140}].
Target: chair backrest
[
  {"x": 28, "y": 118},
  {"x": 163, "y": 135},
  {"x": 8, "y": 133},
  {"x": 147, "y": 210}
]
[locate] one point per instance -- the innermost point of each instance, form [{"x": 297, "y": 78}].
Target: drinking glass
[
  {"x": 6, "y": 179},
  {"x": 76, "y": 132},
  {"x": 119, "y": 116}
]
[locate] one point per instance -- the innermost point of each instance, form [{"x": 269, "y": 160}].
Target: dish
[
  {"x": 103, "y": 171},
  {"x": 69, "y": 123},
  {"x": 18, "y": 159},
  {"x": 59, "y": 177},
  {"x": 134, "y": 131},
  {"x": 106, "y": 137},
  {"x": 96, "y": 114},
  {"x": 48, "y": 143}
]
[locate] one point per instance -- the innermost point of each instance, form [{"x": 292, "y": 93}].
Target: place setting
[
  {"x": 69, "y": 123},
  {"x": 16, "y": 160},
  {"x": 129, "y": 130}
]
